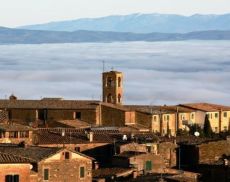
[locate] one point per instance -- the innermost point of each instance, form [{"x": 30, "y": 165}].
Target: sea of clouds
[{"x": 154, "y": 73}]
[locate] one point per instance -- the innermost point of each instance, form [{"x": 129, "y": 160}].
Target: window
[
  {"x": 148, "y": 165},
  {"x": 10, "y": 115},
  {"x": 119, "y": 81},
  {"x": 119, "y": 98},
  {"x": 225, "y": 128},
  {"x": 216, "y": 129},
  {"x": 192, "y": 116},
  {"x": 225, "y": 114},
  {"x": 2, "y": 134},
  {"x": 46, "y": 174},
  {"x": 169, "y": 132},
  {"x": 216, "y": 115},
  {"x": 82, "y": 172},
  {"x": 13, "y": 134},
  {"x": 109, "y": 98},
  {"x": 148, "y": 148},
  {"x": 12, "y": 178},
  {"x": 154, "y": 118},
  {"x": 78, "y": 115},
  {"x": 109, "y": 81},
  {"x": 24, "y": 134},
  {"x": 66, "y": 155},
  {"x": 77, "y": 149},
  {"x": 168, "y": 117}
]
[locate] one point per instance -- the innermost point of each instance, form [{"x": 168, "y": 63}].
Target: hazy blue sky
[{"x": 21, "y": 12}]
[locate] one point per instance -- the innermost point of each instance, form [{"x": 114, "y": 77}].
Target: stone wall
[
  {"x": 168, "y": 151},
  {"x": 112, "y": 116},
  {"x": 87, "y": 115},
  {"x": 30, "y": 115},
  {"x": 139, "y": 162},
  {"x": 212, "y": 151},
  {"x": 132, "y": 147},
  {"x": 27, "y": 115},
  {"x": 144, "y": 119}
]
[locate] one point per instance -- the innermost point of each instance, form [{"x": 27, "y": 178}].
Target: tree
[
  {"x": 195, "y": 128},
  {"x": 182, "y": 132},
  {"x": 207, "y": 127}
]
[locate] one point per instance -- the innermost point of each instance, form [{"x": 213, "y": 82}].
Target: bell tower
[{"x": 112, "y": 87}]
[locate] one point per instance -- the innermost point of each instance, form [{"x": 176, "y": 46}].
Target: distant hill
[
  {"x": 141, "y": 23},
  {"x": 20, "y": 36}
]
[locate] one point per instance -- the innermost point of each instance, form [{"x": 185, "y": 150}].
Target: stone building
[
  {"x": 45, "y": 164},
  {"x": 54, "y": 113},
  {"x": 14, "y": 168},
  {"x": 164, "y": 120},
  {"x": 219, "y": 115},
  {"x": 15, "y": 133},
  {"x": 47, "y": 110},
  {"x": 142, "y": 162},
  {"x": 99, "y": 143},
  {"x": 192, "y": 153}
]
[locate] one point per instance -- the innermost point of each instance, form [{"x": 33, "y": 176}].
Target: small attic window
[{"x": 67, "y": 156}]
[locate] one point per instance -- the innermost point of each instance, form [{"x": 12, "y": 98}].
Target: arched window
[
  {"x": 119, "y": 98},
  {"x": 119, "y": 81},
  {"x": 109, "y": 98},
  {"x": 109, "y": 82}
]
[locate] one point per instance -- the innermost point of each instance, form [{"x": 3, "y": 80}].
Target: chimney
[
  {"x": 96, "y": 165},
  {"x": 13, "y": 97},
  {"x": 90, "y": 136}
]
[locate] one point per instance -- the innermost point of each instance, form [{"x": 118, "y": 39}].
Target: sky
[
  {"x": 154, "y": 72},
  {"x": 24, "y": 12}
]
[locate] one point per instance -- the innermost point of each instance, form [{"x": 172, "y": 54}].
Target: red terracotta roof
[
  {"x": 117, "y": 106},
  {"x": 79, "y": 136},
  {"x": 109, "y": 172},
  {"x": 75, "y": 123},
  {"x": 207, "y": 107},
  {"x": 14, "y": 127},
  {"x": 10, "y": 158},
  {"x": 49, "y": 104},
  {"x": 149, "y": 109},
  {"x": 32, "y": 153},
  {"x": 129, "y": 154}
]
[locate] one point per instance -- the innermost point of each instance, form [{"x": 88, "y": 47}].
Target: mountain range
[
  {"x": 141, "y": 23},
  {"x": 21, "y": 36}
]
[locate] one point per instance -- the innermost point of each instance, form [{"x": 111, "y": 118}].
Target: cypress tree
[{"x": 207, "y": 127}]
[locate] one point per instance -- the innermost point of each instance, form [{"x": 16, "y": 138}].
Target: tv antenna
[{"x": 103, "y": 66}]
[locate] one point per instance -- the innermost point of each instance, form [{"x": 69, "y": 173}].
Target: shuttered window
[
  {"x": 46, "y": 174},
  {"x": 12, "y": 178},
  {"x": 148, "y": 165},
  {"x": 82, "y": 172}
]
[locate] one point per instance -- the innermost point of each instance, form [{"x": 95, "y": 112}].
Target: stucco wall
[{"x": 23, "y": 170}]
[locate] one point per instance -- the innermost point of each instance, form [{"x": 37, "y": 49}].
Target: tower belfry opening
[{"x": 112, "y": 87}]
